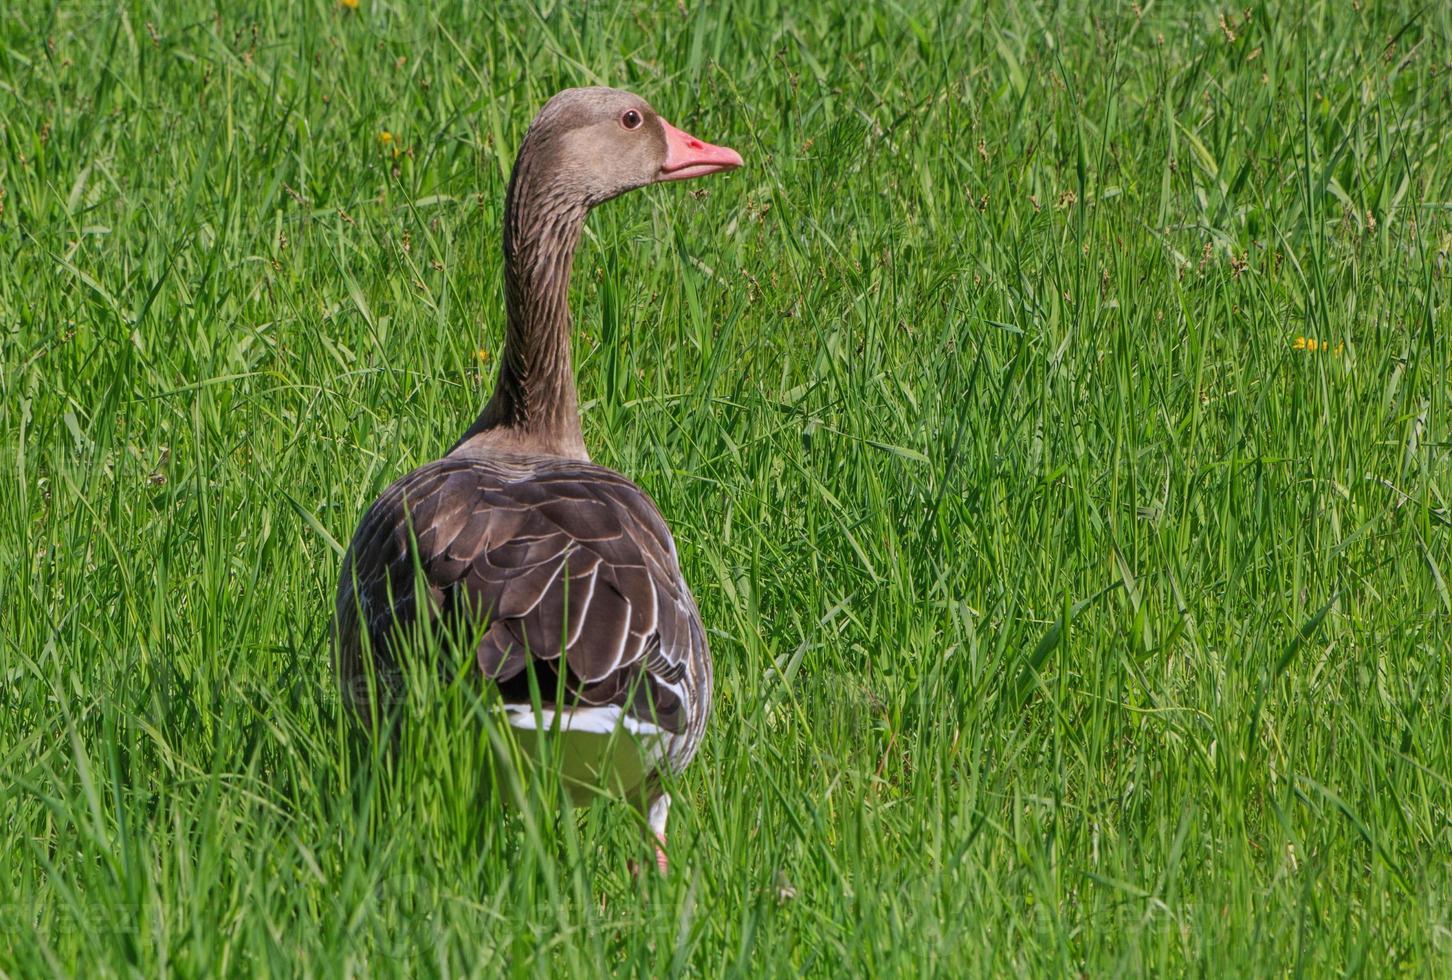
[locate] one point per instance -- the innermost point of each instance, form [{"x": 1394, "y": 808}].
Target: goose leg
[{"x": 660, "y": 809}]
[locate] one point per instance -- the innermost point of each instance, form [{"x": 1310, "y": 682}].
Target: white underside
[{"x": 601, "y": 750}]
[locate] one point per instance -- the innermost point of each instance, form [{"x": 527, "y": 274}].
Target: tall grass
[{"x": 1069, "y": 615}]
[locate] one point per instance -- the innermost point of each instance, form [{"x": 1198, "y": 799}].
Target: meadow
[{"x": 1053, "y": 416}]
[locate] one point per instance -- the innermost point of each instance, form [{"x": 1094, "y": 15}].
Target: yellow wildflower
[
  {"x": 483, "y": 355},
  {"x": 385, "y": 137},
  {"x": 350, "y": 4},
  {"x": 1311, "y": 343}
]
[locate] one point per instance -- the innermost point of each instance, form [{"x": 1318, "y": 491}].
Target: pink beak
[{"x": 687, "y": 156}]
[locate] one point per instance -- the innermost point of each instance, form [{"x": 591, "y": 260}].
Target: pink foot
[{"x": 661, "y": 862}]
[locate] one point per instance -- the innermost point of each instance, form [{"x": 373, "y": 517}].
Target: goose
[{"x": 563, "y": 571}]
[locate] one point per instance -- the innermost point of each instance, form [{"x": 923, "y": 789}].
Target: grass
[{"x": 1069, "y": 617}]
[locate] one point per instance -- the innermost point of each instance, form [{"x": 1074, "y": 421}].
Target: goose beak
[{"x": 687, "y": 156}]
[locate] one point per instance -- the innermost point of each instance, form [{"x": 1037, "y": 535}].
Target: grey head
[{"x": 593, "y": 144}]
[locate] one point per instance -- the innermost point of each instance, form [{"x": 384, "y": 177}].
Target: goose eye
[{"x": 631, "y": 119}]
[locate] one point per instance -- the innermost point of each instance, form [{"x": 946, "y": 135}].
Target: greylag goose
[{"x": 563, "y": 572}]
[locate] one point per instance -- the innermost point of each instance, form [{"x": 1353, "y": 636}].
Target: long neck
[{"x": 534, "y": 403}]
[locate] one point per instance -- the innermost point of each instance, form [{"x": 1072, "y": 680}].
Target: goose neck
[{"x": 535, "y": 398}]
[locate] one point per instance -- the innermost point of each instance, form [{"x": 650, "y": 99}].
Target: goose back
[{"x": 555, "y": 564}]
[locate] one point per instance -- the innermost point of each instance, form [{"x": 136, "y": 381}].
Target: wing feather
[{"x": 571, "y": 567}]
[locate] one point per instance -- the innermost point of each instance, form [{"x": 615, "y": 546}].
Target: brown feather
[{"x": 543, "y": 578}]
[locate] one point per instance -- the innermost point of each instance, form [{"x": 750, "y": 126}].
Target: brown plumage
[{"x": 563, "y": 569}]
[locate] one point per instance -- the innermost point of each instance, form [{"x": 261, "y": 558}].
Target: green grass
[{"x": 1067, "y": 617}]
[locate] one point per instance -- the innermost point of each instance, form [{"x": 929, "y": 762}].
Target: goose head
[{"x": 594, "y": 144}]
